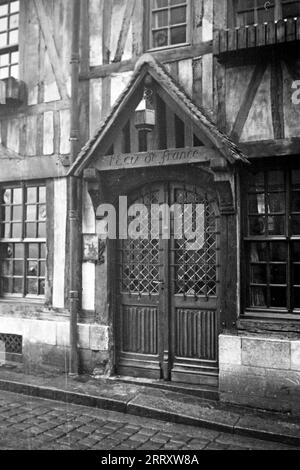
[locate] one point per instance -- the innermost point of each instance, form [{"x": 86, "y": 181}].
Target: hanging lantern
[{"x": 145, "y": 114}]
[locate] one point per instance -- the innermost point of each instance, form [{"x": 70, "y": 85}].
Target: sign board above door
[{"x": 155, "y": 158}]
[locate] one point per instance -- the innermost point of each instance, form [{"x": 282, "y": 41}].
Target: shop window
[
  {"x": 272, "y": 240},
  {"x": 169, "y": 23},
  {"x": 9, "y": 38},
  {"x": 23, "y": 241},
  {"x": 259, "y": 11}
]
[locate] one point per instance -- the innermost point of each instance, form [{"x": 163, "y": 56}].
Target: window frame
[
  {"x": 149, "y": 38},
  {"x": 26, "y": 241},
  {"x": 264, "y": 312},
  {"x": 233, "y": 13},
  {"x": 10, "y": 48}
]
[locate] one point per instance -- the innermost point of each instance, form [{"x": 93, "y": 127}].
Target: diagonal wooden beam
[
  {"x": 244, "y": 111},
  {"x": 127, "y": 18},
  {"x": 47, "y": 32},
  {"x": 277, "y": 99}
]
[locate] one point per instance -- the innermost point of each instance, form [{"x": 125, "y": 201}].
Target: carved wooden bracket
[{"x": 224, "y": 177}]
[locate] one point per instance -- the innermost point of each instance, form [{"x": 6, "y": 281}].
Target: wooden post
[{"x": 74, "y": 202}]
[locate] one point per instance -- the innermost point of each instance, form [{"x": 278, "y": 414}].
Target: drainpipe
[{"x": 74, "y": 196}]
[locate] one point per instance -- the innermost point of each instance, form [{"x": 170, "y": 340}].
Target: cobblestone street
[{"x": 33, "y": 423}]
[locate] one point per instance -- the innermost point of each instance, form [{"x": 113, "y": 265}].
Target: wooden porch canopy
[{"x": 217, "y": 148}]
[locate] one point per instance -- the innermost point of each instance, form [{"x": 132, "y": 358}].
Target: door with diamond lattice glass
[{"x": 168, "y": 284}]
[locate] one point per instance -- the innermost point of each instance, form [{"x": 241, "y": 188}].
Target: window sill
[
  {"x": 276, "y": 325},
  {"x": 22, "y": 300},
  {"x": 166, "y": 48}
]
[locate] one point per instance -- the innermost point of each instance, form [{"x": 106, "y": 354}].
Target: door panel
[
  {"x": 168, "y": 316},
  {"x": 139, "y": 318},
  {"x": 193, "y": 302}
]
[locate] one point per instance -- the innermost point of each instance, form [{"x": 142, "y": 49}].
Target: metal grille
[
  {"x": 13, "y": 343},
  {"x": 140, "y": 258},
  {"x": 196, "y": 270}
]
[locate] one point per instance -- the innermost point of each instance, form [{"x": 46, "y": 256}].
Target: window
[
  {"x": 259, "y": 11},
  {"x": 272, "y": 240},
  {"x": 169, "y": 23},
  {"x": 23, "y": 241},
  {"x": 9, "y": 37}
]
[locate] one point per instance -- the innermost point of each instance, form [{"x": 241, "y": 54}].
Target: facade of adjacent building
[{"x": 156, "y": 102}]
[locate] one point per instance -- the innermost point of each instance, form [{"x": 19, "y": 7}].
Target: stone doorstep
[{"x": 172, "y": 407}]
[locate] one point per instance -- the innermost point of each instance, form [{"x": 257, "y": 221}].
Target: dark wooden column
[{"x": 225, "y": 184}]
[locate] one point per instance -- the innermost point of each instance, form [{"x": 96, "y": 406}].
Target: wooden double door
[{"x": 167, "y": 291}]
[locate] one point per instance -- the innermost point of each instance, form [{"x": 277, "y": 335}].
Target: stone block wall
[
  {"x": 260, "y": 372},
  {"x": 46, "y": 343}
]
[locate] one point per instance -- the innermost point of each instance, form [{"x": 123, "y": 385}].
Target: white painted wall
[{"x": 59, "y": 249}]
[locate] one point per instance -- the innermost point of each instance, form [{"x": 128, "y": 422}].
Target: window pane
[
  {"x": 3, "y": 39},
  {"x": 160, "y": 3},
  {"x": 32, "y": 269},
  {"x": 14, "y": 21},
  {"x": 17, "y": 196},
  {"x": 18, "y": 268},
  {"x": 13, "y": 37},
  {"x": 259, "y": 274},
  {"x": 33, "y": 251},
  {"x": 276, "y": 225},
  {"x": 30, "y": 230},
  {"x": 276, "y": 180},
  {"x": 17, "y": 213},
  {"x": 178, "y": 35},
  {"x": 296, "y": 251},
  {"x": 43, "y": 251},
  {"x": 296, "y": 179},
  {"x": 6, "y": 268},
  {"x": 42, "y": 287},
  {"x": 14, "y": 57},
  {"x": 14, "y": 71},
  {"x": 176, "y": 2},
  {"x": 296, "y": 274},
  {"x": 42, "y": 268},
  {"x": 19, "y": 250},
  {"x": 42, "y": 194},
  {"x": 42, "y": 212},
  {"x": 296, "y": 201},
  {"x": 278, "y": 297},
  {"x": 295, "y": 224},
  {"x": 31, "y": 195},
  {"x": 160, "y": 19},
  {"x": 257, "y": 182},
  {"x": 257, "y": 204},
  {"x": 31, "y": 213},
  {"x": 6, "y": 286},
  {"x": 7, "y": 232},
  {"x": 278, "y": 251},
  {"x": 276, "y": 202},
  {"x": 4, "y": 73},
  {"x": 258, "y": 297},
  {"x": 17, "y": 286},
  {"x": 178, "y": 15},
  {"x": 256, "y": 225},
  {"x": 7, "y": 196},
  {"x": 160, "y": 38},
  {"x": 16, "y": 230},
  {"x": 278, "y": 274},
  {"x": 3, "y": 24},
  {"x": 297, "y": 297},
  {"x": 14, "y": 7},
  {"x": 4, "y": 59},
  {"x": 41, "y": 230},
  {"x": 258, "y": 252},
  {"x": 32, "y": 286},
  {"x": 3, "y": 10}
]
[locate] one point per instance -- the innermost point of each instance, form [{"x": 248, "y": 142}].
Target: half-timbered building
[{"x": 153, "y": 102}]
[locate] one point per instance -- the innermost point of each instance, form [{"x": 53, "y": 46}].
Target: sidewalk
[{"x": 148, "y": 401}]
